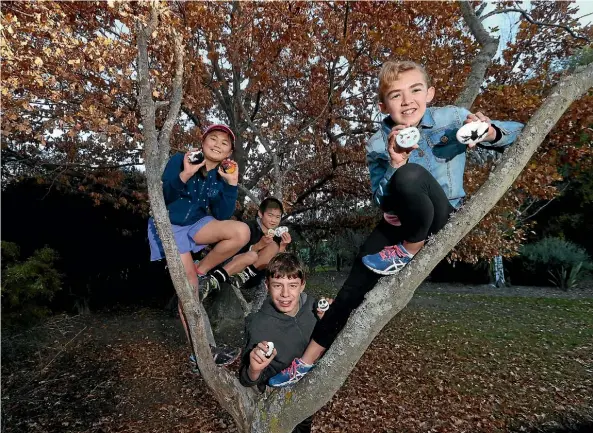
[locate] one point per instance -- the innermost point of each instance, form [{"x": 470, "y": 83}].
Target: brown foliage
[{"x": 295, "y": 80}]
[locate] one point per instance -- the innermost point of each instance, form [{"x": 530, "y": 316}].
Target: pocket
[{"x": 444, "y": 144}]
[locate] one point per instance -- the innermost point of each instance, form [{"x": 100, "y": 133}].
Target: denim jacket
[
  {"x": 189, "y": 202},
  {"x": 439, "y": 151}
]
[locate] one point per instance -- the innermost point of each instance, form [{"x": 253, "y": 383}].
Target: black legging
[{"x": 423, "y": 209}]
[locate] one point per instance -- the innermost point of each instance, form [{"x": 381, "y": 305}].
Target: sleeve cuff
[
  {"x": 498, "y": 133},
  {"x": 177, "y": 183},
  {"x": 389, "y": 172},
  {"x": 231, "y": 188}
]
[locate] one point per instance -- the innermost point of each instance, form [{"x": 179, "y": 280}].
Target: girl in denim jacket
[{"x": 417, "y": 189}]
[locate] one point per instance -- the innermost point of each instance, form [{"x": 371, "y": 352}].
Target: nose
[{"x": 405, "y": 98}]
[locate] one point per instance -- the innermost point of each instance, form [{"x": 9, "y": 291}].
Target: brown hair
[
  {"x": 285, "y": 265},
  {"x": 390, "y": 72}
]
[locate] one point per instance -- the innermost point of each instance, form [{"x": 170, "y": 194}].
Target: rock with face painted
[
  {"x": 472, "y": 132},
  {"x": 323, "y": 305},
  {"x": 196, "y": 157},
  {"x": 270, "y": 349},
  {"x": 281, "y": 230},
  {"x": 408, "y": 137}
]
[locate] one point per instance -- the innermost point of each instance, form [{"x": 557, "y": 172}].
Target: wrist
[
  {"x": 184, "y": 176},
  {"x": 253, "y": 374}
]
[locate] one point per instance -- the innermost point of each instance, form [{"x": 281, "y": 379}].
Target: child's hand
[
  {"x": 286, "y": 239},
  {"x": 190, "y": 169},
  {"x": 258, "y": 361},
  {"x": 321, "y": 313},
  {"x": 480, "y": 117},
  {"x": 230, "y": 178},
  {"x": 398, "y": 155},
  {"x": 262, "y": 243}
]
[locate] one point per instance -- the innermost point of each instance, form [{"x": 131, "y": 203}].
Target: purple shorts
[{"x": 184, "y": 238}]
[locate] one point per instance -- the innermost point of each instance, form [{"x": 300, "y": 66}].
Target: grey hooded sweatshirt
[{"x": 290, "y": 336}]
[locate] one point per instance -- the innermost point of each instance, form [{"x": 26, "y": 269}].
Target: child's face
[
  {"x": 285, "y": 293},
  {"x": 217, "y": 146},
  {"x": 406, "y": 98},
  {"x": 270, "y": 218}
]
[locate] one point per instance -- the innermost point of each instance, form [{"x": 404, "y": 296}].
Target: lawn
[{"x": 448, "y": 363}]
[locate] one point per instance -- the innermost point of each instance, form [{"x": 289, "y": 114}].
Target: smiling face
[
  {"x": 270, "y": 218},
  {"x": 217, "y": 146},
  {"x": 406, "y": 98},
  {"x": 285, "y": 293}
]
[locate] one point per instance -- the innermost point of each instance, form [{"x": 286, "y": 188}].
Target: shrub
[
  {"x": 28, "y": 286},
  {"x": 555, "y": 260}
]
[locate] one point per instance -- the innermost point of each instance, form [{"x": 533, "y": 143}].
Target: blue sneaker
[
  {"x": 290, "y": 375},
  {"x": 389, "y": 261}
]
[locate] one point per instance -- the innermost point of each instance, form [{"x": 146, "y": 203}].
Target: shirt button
[{"x": 444, "y": 139}]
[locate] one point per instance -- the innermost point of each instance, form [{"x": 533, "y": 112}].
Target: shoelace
[
  {"x": 292, "y": 370},
  {"x": 392, "y": 252}
]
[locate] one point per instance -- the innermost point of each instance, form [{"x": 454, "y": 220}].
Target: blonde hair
[{"x": 390, "y": 72}]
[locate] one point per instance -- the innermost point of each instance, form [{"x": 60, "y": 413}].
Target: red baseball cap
[{"x": 223, "y": 128}]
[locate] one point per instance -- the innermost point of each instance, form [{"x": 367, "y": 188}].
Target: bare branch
[
  {"x": 480, "y": 64},
  {"x": 249, "y": 194},
  {"x": 537, "y": 23},
  {"x": 176, "y": 96}
]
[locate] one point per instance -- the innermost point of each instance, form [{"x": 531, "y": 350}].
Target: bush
[
  {"x": 554, "y": 260},
  {"x": 28, "y": 286}
]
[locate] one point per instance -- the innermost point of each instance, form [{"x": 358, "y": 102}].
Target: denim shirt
[
  {"x": 439, "y": 151},
  {"x": 189, "y": 202}
]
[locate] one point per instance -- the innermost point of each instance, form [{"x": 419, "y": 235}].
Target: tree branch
[
  {"x": 480, "y": 63},
  {"x": 249, "y": 194},
  {"x": 537, "y": 23},
  {"x": 176, "y": 97}
]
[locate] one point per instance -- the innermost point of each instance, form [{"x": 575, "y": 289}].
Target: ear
[
  {"x": 383, "y": 108},
  {"x": 303, "y": 287},
  {"x": 259, "y": 214},
  {"x": 430, "y": 94}
]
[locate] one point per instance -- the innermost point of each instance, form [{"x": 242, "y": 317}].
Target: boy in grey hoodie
[{"x": 286, "y": 319}]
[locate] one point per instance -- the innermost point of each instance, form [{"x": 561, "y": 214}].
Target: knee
[
  {"x": 409, "y": 174},
  {"x": 241, "y": 232}
]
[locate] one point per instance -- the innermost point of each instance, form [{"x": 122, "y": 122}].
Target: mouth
[
  {"x": 408, "y": 112},
  {"x": 285, "y": 304},
  {"x": 217, "y": 151}
]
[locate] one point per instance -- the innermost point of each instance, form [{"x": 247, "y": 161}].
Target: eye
[
  {"x": 395, "y": 96},
  {"x": 415, "y": 90}
]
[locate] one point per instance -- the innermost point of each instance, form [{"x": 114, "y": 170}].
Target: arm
[
  {"x": 223, "y": 205},
  {"x": 502, "y": 134},
  {"x": 381, "y": 172},
  {"x": 172, "y": 183}
]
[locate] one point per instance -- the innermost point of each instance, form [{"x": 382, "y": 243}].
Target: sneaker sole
[{"x": 376, "y": 271}]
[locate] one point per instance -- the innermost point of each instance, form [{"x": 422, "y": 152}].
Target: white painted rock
[
  {"x": 196, "y": 157},
  {"x": 408, "y": 137},
  {"x": 270, "y": 349},
  {"x": 281, "y": 230},
  {"x": 473, "y": 132},
  {"x": 323, "y": 305}
]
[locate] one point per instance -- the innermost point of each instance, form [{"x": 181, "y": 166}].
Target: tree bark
[{"x": 480, "y": 63}]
